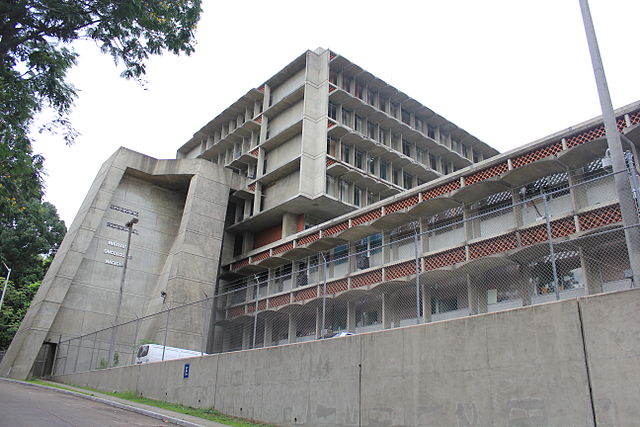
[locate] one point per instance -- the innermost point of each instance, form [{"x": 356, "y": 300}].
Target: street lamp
[
  {"x": 622, "y": 185},
  {"x": 6, "y": 281},
  {"x": 129, "y": 225}
]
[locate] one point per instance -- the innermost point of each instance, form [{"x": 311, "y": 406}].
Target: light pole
[
  {"x": 6, "y": 282},
  {"x": 622, "y": 185},
  {"x": 129, "y": 225}
]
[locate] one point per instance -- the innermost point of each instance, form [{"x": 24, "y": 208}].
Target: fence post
[
  {"x": 324, "y": 295},
  {"x": 255, "y": 314},
  {"x": 552, "y": 253},
  {"x": 95, "y": 338},
  {"x": 166, "y": 329},
  {"x": 135, "y": 343}
]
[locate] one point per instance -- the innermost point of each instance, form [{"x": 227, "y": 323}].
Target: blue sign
[{"x": 185, "y": 374}]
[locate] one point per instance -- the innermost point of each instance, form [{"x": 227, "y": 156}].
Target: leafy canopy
[{"x": 35, "y": 54}]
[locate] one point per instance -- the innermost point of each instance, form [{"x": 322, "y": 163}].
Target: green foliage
[
  {"x": 14, "y": 307},
  {"x": 102, "y": 364},
  {"x": 35, "y": 55},
  {"x": 116, "y": 359}
]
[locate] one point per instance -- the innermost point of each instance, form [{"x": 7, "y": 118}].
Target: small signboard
[{"x": 185, "y": 373}]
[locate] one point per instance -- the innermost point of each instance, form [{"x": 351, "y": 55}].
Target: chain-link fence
[{"x": 558, "y": 237}]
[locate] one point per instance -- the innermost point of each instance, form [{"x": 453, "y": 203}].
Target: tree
[
  {"x": 35, "y": 53},
  {"x": 14, "y": 307}
]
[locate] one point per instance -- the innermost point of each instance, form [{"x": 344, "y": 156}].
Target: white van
[{"x": 154, "y": 353}]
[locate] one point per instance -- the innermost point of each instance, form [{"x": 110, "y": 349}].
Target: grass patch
[{"x": 207, "y": 414}]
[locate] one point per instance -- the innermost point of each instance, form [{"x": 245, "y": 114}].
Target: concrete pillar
[
  {"x": 386, "y": 247},
  {"x": 526, "y": 287},
  {"x": 247, "y": 241},
  {"x": 268, "y": 332},
  {"x": 293, "y": 327},
  {"x": 426, "y": 303},
  {"x": 578, "y": 192},
  {"x": 471, "y": 228},
  {"x": 477, "y": 295},
  {"x": 591, "y": 271},
  {"x": 226, "y": 339},
  {"x": 351, "y": 316},
  {"x": 247, "y": 328},
  {"x": 289, "y": 224},
  {"x": 387, "y": 311}
]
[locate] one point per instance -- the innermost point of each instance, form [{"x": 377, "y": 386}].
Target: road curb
[{"x": 119, "y": 405}]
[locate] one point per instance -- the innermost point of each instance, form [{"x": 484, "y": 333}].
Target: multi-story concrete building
[{"x": 326, "y": 199}]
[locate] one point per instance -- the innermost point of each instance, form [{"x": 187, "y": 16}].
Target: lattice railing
[
  {"x": 366, "y": 279},
  {"x": 338, "y": 228},
  {"x": 535, "y": 155},
  {"x": 441, "y": 189},
  {"x": 487, "y": 173},
  {"x": 305, "y": 294},
  {"x": 401, "y": 204},
  {"x": 493, "y": 246},
  {"x": 337, "y": 286},
  {"x": 444, "y": 259},
  {"x": 402, "y": 269},
  {"x": 600, "y": 217},
  {"x": 366, "y": 217}
]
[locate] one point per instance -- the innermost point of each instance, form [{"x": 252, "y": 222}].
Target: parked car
[{"x": 156, "y": 353}]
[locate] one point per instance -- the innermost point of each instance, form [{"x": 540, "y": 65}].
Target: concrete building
[{"x": 325, "y": 183}]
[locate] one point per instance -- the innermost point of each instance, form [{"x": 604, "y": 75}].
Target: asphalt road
[{"x": 22, "y": 405}]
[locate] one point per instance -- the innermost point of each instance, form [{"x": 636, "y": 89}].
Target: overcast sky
[{"x": 507, "y": 71}]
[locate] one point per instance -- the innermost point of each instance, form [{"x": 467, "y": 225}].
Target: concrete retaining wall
[{"x": 523, "y": 367}]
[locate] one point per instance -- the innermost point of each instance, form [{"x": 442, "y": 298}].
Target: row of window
[{"x": 396, "y": 110}]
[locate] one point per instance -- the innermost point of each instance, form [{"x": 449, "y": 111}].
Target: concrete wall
[
  {"x": 282, "y": 189},
  {"x": 292, "y": 83},
  {"x": 285, "y": 119},
  {"x": 522, "y": 367},
  {"x": 283, "y": 153},
  {"x": 181, "y": 207}
]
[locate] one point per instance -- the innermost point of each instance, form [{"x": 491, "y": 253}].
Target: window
[
  {"x": 331, "y": 185},
  {"x": 360, "y": 91},
  {"x": 406, "y": 116},
  {"x": 357, "y": 196},
  {"x": 465, "y": 151},
  {"x": 371, "y": 164},
  {"x": 382, "y": 135},
  {"x": 359, "y": 124},
  {"x": 431, "y": 131},
  {"x": 406, "y": 147},
  {"x": 396, "y": 177},
  {"x": 331, "y": 146},
  {"x": 344, "y": 191},
  {"x": 407, "y": 180},
  {"x": 371, "y": 97},
  {"x": 346, "y": 153},
  {"x": 346, "y": 83},
  {"x": 333, "y": 77},
  {"x": 394, "y": 109},
  {"x": 264, "y": 163},
  {"x": 333, "y": 111},
  {"x": 382, "y": 103},
  {"x": 418, "y": 124},
  {"x": 371, "y": 197},
  {"x": 371, "y": 130},
  {"x": 383, "y": 170},
  {"x": 346, "y": 117},
  {"x": 359, "y": 160},
  {"x": 340, "y": 254},
  {"x": 445, "y": 168}
]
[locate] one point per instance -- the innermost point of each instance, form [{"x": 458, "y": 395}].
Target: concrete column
[
  {"x": 477, "y": 295},
  {"x": 388, "y": 311},
  {"x": 578, "y": 192},
  {"x": 426, "y": 303},
  {"x": 226, "y": 339},
  {"x": 591, "y": 272},
  {"x": 247, "y": 241},
  {"x": 386, "y": 248},
  {"x": 268, "y": 332},
  {"x": 526, "y": 288},
  {"x": 247, "y": 328},
  {"x": 351, "y": 316},
  {"x": 471, "y": 228},
  {"x": 289, "y": 224},
  {"x": 293, "y": 327}
]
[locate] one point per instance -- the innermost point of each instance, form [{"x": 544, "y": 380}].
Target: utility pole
[
  {"x": 622, "y": 184},
  {"x": 129, "y": 225}
]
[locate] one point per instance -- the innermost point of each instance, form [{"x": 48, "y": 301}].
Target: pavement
[{"x": 150, "y": 411}]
